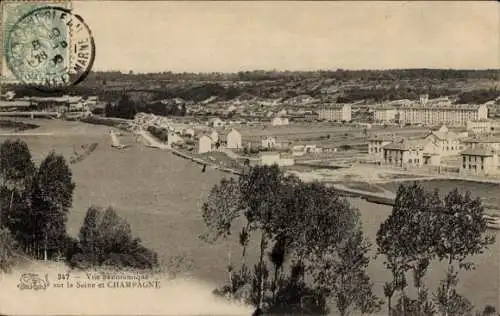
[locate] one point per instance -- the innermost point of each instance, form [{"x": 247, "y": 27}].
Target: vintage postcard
[{"x": 250, "y": 158}]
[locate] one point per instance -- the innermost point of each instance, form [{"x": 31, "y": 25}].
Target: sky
[{"x": 230, "y": 36}]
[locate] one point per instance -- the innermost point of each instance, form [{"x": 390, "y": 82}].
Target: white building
[
  {"x": 269, "y": 142},
  {"x": 376, "y": 144},
  {"x": 216, "y": 122},
  {"x": 188, "y": 132},
  {"x": 441, "y": 112},
  {"x": 335, "y": 112},
  {"x": 270, "y": 158},
  {"x": 214, "y": 136},
  {"x": 173, "y": 138},
  {"x": 233, "y": 139},
  {"x": 411, "y": 153},
  {"x": 447, "y": 142},
  {"x": 205, "y": 144},
  {"x": 385, "y": 114},
  {"x": 483, "y": 126},
  {"x": 279, "y": 121},
  {"x": 479, "y": 161}
]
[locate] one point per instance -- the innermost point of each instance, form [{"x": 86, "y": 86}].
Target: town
[{"x": 425, "y": 136}]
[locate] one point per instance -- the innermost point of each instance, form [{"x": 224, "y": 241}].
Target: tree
[
  {"x": 448, "y": 301},
  {"x": 16, "y": 174},
  {"x": 52, "y": 197},
  {"x": 7, "y": 251},
  {"x": 462, "y": 229},
  {"x": 406, "y": 237},
  {"x": 106, "y": 239},
  {"x": 343, "y": 274},
  {"x": 461, "y": 234},
  {"x": 89, "y": 235},
  {"x": 222, "y": 207}
]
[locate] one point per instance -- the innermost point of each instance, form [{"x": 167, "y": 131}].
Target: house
[
  {"x": 205, "y": 144},
  {"x": 479, "y": 161},
  {"x": 447, "y": 142},
  {"x": 233, "y": 139},
  {"x": 376, "y": 144},
  {"x": 216, "y": 122},
  {"x": 173, "y": 138},
  {"x": 188, "y": 132},
  {"x": 491, "y": 141},
  {"x": 282, "y": 113},
  {"x": 214, "y": 136},
  {"x": 411, "y": 153},
  {"x": 269, "y": 142},
  {"x": 300, "y": 150},
  {"x": 270, "y": 158},
  {"x": 279, "y": 121}
]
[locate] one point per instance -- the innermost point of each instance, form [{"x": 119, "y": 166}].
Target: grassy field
[{"x": 161, "y": 196}]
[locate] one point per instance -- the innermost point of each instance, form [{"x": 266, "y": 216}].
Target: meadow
[{"x": 161, "y": 196}]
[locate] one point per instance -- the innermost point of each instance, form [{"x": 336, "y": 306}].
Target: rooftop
[
  {"x": 407, "y": 144},
  {"x": 478, "y": 151}
]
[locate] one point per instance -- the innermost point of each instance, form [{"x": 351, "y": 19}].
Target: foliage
[
  {"x": 106, "y": 240},
  {"x": 51, "y": 199},
  {"x": 448, "y": 301},
  {"x": 296, "y": 222},
  {"x": 342, "y": 273},
  {"x": 423, "y": 227},
  {"x": 461, "y": 228},
  {"x": 8, "y": 249}
]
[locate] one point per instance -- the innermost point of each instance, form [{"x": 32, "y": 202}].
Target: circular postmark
[{"x": 50, "y": 48}]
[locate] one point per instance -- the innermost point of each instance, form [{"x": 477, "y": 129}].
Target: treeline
[
  {"x": 339, "y": 74},
  {"x": 312, "y": 249},
  {"x": 34, "y": 205},
  {"x": 127, "y": 108}
]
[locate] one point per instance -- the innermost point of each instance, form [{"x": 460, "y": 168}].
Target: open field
[{"x": 161, "y": 196}]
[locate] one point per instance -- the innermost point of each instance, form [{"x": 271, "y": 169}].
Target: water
[{"x": 161, "y": 196}]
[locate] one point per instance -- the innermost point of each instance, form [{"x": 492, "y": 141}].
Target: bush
[{"x": 106, "y": 239}]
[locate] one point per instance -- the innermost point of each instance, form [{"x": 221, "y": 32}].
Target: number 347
[{"x": 63, "y": 276}]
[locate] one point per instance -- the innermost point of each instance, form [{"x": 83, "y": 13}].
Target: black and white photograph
[{"x": 244, "y": 158}]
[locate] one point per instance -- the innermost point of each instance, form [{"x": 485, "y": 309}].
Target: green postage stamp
[{"x": 44, "y": 45}]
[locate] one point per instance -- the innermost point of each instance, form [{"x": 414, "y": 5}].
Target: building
[
  {"x": 490, "y": 141},
  {"x": 271, "y": 158},
  {"x": 376, "y": 144},
  {"x": 447, "y": 142},
  {"x": 385, "y": 114},
  {"x": 441, "y": 112},
  {"x": 479, "y": 161},
  {"x": 335, "y": 113},
  {"x": 190, "y": 132},
  {"x": 269, "y": 142},
  {"x": 233, "y": 139},
  {"x": 216, "y": 122},
  {"x": 279, "y": 121},
  {"x": 483, "y": 126},
  {"x": 411, "y": 153},
  {"x": 173, "y": 138},
  {"x": 214, "y": 136},
  {"x": 300, "y": 150},
  {"x": 205, "y": 144}
]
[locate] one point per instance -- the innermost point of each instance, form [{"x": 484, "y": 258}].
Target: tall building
[
  {"x": 441, "y": 111},
  {"x": 385, "y": 114},
  {"x": 335, "y": 112}
]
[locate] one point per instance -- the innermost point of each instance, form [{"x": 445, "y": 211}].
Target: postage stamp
[{"x": 45, "y": 45}]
